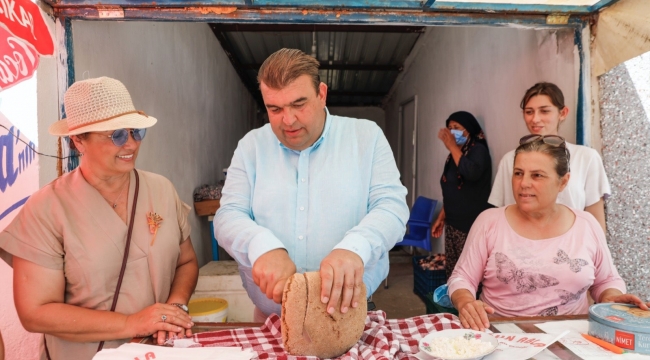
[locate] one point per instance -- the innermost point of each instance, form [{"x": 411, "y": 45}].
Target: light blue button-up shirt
[{"x": 343, "y": 192}]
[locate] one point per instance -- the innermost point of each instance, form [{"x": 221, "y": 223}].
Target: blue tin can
[{"x": 623, "y": 325}]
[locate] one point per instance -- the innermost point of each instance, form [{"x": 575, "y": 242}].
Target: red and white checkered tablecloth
[{"x": 381, "y": 339}]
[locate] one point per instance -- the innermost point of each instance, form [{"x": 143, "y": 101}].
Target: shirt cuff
[
  {"x": 457, "y": 284},
  {"x": 598, "y": 290},
  {"x": 261, "y": 244},
  {"x": 358, "y": 245}
]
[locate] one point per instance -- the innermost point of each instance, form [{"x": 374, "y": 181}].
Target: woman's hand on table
[
  {"x": 161, "y": 336},
  {"x": 159, "y": 319},
  {"x": 473, "y": 315},
  {"x": 615, "y": 296}
]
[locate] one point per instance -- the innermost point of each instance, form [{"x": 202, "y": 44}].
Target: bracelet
[{"x": 182, "y": 307}]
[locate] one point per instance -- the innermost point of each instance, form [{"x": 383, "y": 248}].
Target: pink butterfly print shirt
[{"x": 524, "y": 277}]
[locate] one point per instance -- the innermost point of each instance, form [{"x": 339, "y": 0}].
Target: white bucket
[{"x": 208, "y": 310}]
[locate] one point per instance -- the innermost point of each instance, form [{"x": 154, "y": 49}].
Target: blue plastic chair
[{"x": 419, "y": 225}]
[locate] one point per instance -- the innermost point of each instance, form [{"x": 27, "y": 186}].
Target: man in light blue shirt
[{"x": 309, "y": 191}]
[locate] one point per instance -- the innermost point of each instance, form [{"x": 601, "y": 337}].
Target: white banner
[{"x": 18, "y": 171}]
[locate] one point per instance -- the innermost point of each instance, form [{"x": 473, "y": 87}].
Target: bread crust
[{"x": 307, "y": 328}]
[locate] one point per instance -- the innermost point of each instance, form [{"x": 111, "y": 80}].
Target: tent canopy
[{"x": 622, "y": 33}]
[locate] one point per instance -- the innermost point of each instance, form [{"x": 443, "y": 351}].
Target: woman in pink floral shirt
[{"x": 537, "y": 257}]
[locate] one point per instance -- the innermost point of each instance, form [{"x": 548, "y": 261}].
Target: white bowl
[{"x": 485, "y": 337}]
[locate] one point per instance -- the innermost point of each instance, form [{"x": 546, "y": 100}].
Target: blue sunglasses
[{"x": 121, "y": 136}]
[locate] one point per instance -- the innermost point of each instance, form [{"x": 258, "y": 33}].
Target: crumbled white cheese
[{"x": 458, "y": 347}]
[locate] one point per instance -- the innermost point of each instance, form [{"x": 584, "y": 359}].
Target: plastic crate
[
  {"x": 433, "y": 308},
  {"x": 426, "y": 281}
]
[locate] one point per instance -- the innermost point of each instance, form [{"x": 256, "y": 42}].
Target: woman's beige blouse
[{"x": 68, "y": 226}]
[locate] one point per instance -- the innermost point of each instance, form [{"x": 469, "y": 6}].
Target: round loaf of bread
[{"x": 307, "y": 328}]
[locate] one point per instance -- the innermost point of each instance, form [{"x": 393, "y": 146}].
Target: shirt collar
[{"x": 316, "y": 144}]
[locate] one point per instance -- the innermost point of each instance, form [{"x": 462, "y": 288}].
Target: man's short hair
[{"x": 286, "y": 65}]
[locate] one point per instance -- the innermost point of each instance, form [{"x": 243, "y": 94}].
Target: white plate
[{"x": 426, "y": 349}]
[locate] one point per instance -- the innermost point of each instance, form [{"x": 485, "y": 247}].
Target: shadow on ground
[{"x": 399, "y": 301}]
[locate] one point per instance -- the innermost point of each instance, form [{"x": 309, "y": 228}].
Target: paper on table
[
  {"x": 579, "y": 345},
  {"x": 145, "y": 352},
  {"x": 546, "y": 354},
  {"x": 508, "y": 328},
  {"x": 521, "y": 346},
  {"x": 557, "y": 327}
]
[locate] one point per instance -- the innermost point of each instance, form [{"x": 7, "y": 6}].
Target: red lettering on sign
[
  {"x": 624, "y": 340},
  {"x": 23, "y": 18},
  {"x": 509, "y": 338},
  {"x": 148, "y": 356},
  {"x": 17, "y": 60}
]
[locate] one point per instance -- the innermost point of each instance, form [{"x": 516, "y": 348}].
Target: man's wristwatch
[{"x": 182, "y": 307}]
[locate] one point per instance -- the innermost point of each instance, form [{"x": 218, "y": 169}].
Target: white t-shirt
[{"x": 587, "y": 184}]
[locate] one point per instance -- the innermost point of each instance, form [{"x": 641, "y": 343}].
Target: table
[
  {"x": 527, "y": 324},
  {"x": 203, "y": 327}
]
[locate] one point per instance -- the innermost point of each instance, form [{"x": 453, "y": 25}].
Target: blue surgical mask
[{"x": 458, "y": 134}]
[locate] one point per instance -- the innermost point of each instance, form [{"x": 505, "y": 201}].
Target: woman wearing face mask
[
  {"x": 544, "y": 110},
  {"x": 465, "y": 182}
]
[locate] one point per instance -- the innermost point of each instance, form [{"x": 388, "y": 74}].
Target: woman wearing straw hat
[{"x": 102, "y": 253}]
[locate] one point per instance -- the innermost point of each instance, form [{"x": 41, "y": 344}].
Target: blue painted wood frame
[
  {"x": 324, "y": 16},
  {"x": 516, "y": 8},
  {"x": 66, "y": 63},
  {"x": 349, "y": 4},
  {"x": 215, "y": 243},
  {"x": 580, "y": 109},
  {"x": 69, "y": 61}
]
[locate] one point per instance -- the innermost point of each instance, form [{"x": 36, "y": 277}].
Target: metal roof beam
[
  {"x": 371, "y": 103},
  {"x": 229, "y": 50},
  {"x": 321, "y": 28},
  {"x": 352, "y": 67},
  {"x": 356, "y": 93}
]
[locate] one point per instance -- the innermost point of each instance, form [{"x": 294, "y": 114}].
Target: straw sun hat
[{"x": 99, "y": 104}]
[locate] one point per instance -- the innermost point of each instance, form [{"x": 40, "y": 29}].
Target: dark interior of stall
[{"x": 360, "y": 65}]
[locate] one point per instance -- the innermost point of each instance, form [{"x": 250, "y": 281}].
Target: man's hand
[
  {"x": 271, "y": 271},
  {"x": 341, "y": 274}
]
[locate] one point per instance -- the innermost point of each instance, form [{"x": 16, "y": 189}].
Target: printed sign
[
  {"x": 17, "y": 60},
  {"x": 23, "y": 18},
  {"x": 513, "y": 346},
  {"x": 19, "y": 171}
]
